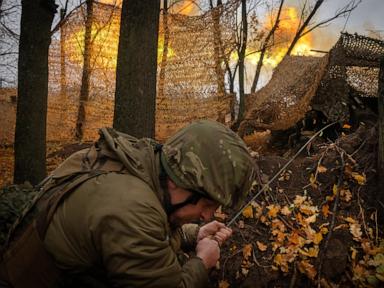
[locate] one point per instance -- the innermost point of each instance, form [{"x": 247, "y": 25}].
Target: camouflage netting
[
  {"x": 191, "y": 80},
  {"x": 353, "y": 69},
  {"x": 324, "y": 84},
  {"x": 285, "y": 99}
]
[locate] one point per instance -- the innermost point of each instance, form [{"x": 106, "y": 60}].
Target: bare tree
[
  {"x": 241, "y": 49},
  {"x": 266, "y": 44},
  {"x": 9, "y": 41},
  {"x": 85, "y": 79},
  {"x": 30, "y": 134},
  {"x": 135, "y": 96},
  {"x": 308, "y": 26}
]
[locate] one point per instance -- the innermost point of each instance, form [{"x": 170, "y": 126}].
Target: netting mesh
[
  {"x": 285, "y": 99},
  {"x": 190, "y": 76},
  {"x": 324, "y": 84}
]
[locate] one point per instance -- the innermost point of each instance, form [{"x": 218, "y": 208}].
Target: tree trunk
[
  {"x": 380, "y": 194},
  {"x": 218, "y": 54},
  {"x": 244, "y": 34},
  {"x": 164, "y": 55},
  {"x": 304, "y": 26},
  {"x": 63, "y": 75},
  {"x": 264, "y": 49},
  {"x": 85, "y": 79},
  {"x": 135, "y": 97},
  {"x": 30, "y": 133}
]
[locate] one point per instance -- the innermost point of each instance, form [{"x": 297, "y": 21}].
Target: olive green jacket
[{"x": 115, "y": 223}]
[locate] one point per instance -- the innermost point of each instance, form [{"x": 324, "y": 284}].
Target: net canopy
[
  {"x": 190, "y": 70},
  {"x": 325, "y": 84}
]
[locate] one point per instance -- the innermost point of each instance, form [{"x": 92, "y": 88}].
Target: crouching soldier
[{"x": 120, "y": 214}]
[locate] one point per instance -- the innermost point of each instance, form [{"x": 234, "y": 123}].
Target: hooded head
[{"x": 210, "y": 159}]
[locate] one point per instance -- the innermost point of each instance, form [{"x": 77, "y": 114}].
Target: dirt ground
[{"x": 318, "y": 223}]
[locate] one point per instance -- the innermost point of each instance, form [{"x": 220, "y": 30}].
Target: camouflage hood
[{"x": 209, "y": 158}]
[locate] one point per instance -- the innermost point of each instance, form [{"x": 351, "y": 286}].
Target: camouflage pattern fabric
[
  {"x": 13, "y": 202},
  {"x": 211, "y": 159}
]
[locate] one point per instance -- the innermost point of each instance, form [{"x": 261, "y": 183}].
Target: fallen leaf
[
  {"x": 350, "y": 220},
  {"x": 244, "y": 271},
  {"x": 317, "y": 238},
  {"x": 223, "y": 284},
  {"x": 281, "y": 261},
  {"x": 299, "y": 200},
  {"x": 346, "y": 195},
  {"x": 307, "y": 268},
  {"x": 334, "y": 189},
  {"x": 361, "y": 179},
  {"x": 354, "y": 253},
  {"x": 308, "y": 210},
  {"x": 312, "y": 252},
  {"x": 273, "y": 210},
  {"x": 346, "y": 126},
  {"x": 321, "y": 169},
  {"x": 286, "y": 211},
  {"x": 248, "y": 212},
  {"x": 241, "y": 224},
  {"x": 311, "y": 219},
  {"x": 355, "y": 230},
  {"x": 247, "y": 251},
  {"x": 261, "y": 246},
  {"x": 312, "y": 181},
  {"x": 325, "y": 210}
]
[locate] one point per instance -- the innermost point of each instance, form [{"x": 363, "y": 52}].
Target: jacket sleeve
[
  {"x": 185, "y": 237},
  {"x": 136, "y": 250}
]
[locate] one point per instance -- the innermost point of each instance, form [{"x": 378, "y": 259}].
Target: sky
[{"x": 369, "y": 15}]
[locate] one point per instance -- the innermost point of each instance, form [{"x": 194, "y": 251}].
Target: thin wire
[
  {"x": 278, "y": 173},
  {"x": 349, "y": 14}
]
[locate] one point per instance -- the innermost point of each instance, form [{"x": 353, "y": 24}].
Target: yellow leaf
[
  {"x": 247, "y": 251},
  {"x": 244, "y": 271},
  {"x": 346, "y": 126},
  {"x": 263, "y": 219},
  {"x": 355, "y": 230},
  {"x": 350, "y": 220},
  {"x": 312, "y": 252},
  {"x": 317, "y": 238},
  {"x": 334, "y": 189},
  {"x": 346, "y": 195},
  {"x": 354, "y": 253},
  {"x": 324, "y": 230},
  {"x": 361, "y": 179},
  {"x": 248, "y": 212},
  {"x": 285, "y": 211},
  {"x": 311, "y": 219},
  {"x": 325, "y": 210},
  {"x": 308, "y": 210},
  {"x": 273, "y": 210},
  {"x": 307, "y": 268},
  {"x": 299, "y": 200},
  {"x": 312, "y": 179},
  {"x": 223, "y": 284},
  {"x": 261, "y": 246},
  {"x": 321, "y": 169}
]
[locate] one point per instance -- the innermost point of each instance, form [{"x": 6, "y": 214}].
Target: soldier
[{"x": 119, "y": 214}]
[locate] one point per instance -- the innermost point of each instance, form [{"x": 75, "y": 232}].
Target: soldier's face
[{"x": 202, "y": 211}]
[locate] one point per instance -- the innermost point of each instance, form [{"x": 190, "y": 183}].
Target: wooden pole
[{"x": 380, "y": 168}]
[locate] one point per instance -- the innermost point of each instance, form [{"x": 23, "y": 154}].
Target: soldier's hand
[
  {"x": 209, "y": 251},
  {"x": 215, "y": 230}
]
